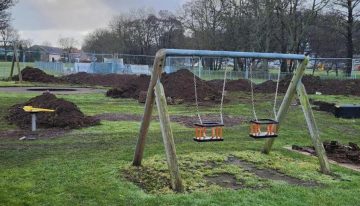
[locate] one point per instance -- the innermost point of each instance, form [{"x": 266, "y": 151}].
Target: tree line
[{"x": 325, "y": 28}]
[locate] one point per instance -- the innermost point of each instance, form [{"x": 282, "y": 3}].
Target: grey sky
[{"x": 48, "y": 20}]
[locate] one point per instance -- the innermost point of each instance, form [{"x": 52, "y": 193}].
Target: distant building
[{"x": 47, "y": 53}]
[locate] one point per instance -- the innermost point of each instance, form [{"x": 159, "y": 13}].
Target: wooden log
[
  {"x": 168, "y": 139},
  {"x": 149, "y": 105},
  {"x": 313, "y": 129},
  {"x": 289, "y": 96}
]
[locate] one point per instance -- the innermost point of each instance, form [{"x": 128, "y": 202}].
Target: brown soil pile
[
  {"x": 337, "y": 152},
  {"x": 324, "y": 106},
  {"x": 66, "y": 115},
  {"x": 131, "y": 89},
  {"x": 232, "y": 85},
  {"x": 178, "y": 86},
  {"x": 36, "y": 75},
  {"x": 117, "y": 80}
]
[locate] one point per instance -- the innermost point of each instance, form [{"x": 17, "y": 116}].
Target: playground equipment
[
  {"x": 215, "y": 127},
  {"x": 259, "y": 125},
  {"x": 156, "y": 93},
  {"x": 33, "y": 111}
]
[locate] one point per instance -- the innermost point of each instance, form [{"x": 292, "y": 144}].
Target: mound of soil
[
  {"x": 336, "y": 151},
  {"x": 178, "y": 86},
  {"x": 324, "y": 106},
  {"x": 66, "y": 115},
  {"x": 31, "y": 74},
  {"x": 116, "y": 80},
  {"x": 232, "y": 85}
]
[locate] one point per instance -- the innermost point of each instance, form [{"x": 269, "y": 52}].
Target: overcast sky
[{"x": 48, "y": 20}]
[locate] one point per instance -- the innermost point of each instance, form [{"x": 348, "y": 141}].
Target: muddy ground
[
  {"x": 66, "y": 115},
  {"x": 336, "y": 151}
]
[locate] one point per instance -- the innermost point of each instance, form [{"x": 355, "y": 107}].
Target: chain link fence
[{"x": 205, "y": 68}]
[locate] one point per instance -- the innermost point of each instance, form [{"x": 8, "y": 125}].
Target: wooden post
[
  {"x": 289, "y": 96},
  {"x": 149, "y": 104},
  {"x": 15, "y": 59},
  {"x": 168, "y": 138},
  {"x": 313, "y": 129}
]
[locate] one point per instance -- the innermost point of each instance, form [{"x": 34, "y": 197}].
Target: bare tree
[
  {"x": 68, "y": 44},
  {"x": 348, "y": 11},
  {"x": 9, "y": 35},
  {"x": 5, "y": 15}
]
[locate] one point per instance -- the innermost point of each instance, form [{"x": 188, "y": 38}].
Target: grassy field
[{"x": 86, "y": 166}]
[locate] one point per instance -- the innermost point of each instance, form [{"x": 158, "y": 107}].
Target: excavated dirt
[
  {"x": 179, "y": 87},
  {"x": 116, "y": 80},
  {"x": 36, "y": 75},
  {"x": 324, "y": 106},
  {"x": 349, "y": 154},
  {"x": 176, "y": 83},
  {"x": 66, "y": 115},
  {"x": 187, "y": 121}
]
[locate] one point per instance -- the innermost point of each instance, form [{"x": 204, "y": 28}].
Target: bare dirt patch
[
  {"x": 187, "y": 121},
  {"x": 225, "y": 180},
  {"x": 270, "y": 173}
]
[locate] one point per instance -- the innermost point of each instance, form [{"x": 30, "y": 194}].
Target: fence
[{"x": 206, "y": 68}]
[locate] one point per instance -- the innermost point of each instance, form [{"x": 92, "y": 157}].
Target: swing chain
[
  {"x": 276, "y": 93},
  {"x": 195, "y": 87},
  {"x": 223, "y": 93},
  {"x": 252, "y": 63}
]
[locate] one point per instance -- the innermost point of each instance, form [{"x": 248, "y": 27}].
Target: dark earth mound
[
  {"x": 324, "y": 106},
  {"x": 178, "y": 86},
  {"x": 116, "y": 80},
  {"x": 66, "y": 115},
  {"x": 336, "y": 151},
  {"x": 183, "y": 80},
  {"x": 36, "y": 75}
]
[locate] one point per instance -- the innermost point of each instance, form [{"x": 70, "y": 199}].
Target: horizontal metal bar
[{"x": 209, "y": 53}]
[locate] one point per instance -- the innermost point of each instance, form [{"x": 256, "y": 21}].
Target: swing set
[
  {"x": 259, "y": 128},
  {"x": 215, "y": 127}
]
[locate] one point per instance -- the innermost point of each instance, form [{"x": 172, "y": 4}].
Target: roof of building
[{"x": 48, "y": 49}]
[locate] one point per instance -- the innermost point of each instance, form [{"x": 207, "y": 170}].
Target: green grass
[{"x": 86, "y": 166}]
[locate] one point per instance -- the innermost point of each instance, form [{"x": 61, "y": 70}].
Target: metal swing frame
[{"x": 156, "y": 93}]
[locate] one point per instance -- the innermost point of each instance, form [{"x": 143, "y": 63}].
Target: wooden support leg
[
  {"x": 176, "y": 182},
  {"x": 289, "y": 96},
  {"x": 313, "y": 129},
  {"x": 149, "y": 104}
]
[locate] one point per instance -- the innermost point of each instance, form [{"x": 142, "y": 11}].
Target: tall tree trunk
[{"x": 349, "y": 38}]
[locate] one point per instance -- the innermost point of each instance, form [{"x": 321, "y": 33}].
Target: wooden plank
[
  {"x": 289, "y": 96},
  {"x": 168, "y": 139},
  {"x": 149, "y": 105},
  {"x": 313, "y": 129}
]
